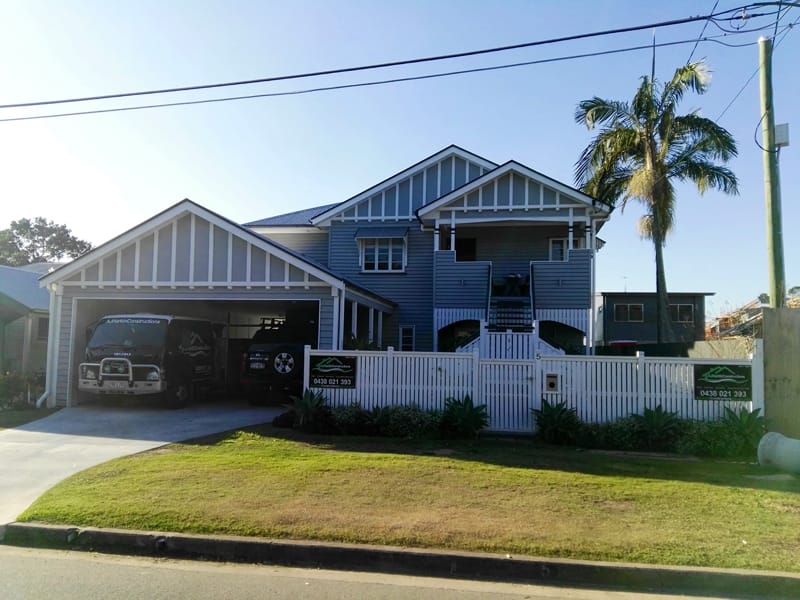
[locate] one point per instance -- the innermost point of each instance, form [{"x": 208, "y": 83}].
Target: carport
[{"x": 191, "y": 262}]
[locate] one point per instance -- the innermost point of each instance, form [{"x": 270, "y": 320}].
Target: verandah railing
[{"x": 601, "y": 389}]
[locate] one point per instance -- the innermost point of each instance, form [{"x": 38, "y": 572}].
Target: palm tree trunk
[{"x": 663, "y": 325}]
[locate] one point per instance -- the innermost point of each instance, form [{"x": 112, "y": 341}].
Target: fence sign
[
  {"x": 332, "y": 371},
  {"x": 723, "y": 382}
]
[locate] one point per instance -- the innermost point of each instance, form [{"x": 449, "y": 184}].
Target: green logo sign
[
  {"x": 723, "y": 382},
  {"x": 332, "y": 371}
]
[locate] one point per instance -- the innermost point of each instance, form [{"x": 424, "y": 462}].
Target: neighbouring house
[
  {"x": 431, "y": 258},
  {"x": 745, "y": 320},
  {"x": 24, "y": 319},
  {"x": 625, "y": 318}
]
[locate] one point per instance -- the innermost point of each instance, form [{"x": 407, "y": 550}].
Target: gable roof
[
  {"x": 187, "y": 206},
  {"x": 405, "y": 173},
  {"x": 518, "y": 168},
  {"x": 20, "y": 293},
  {"x": 183, "y": 207},
  {"x": 296, "y": 218}
]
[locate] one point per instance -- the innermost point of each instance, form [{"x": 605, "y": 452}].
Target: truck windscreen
[{"x": 129, "y": 332}]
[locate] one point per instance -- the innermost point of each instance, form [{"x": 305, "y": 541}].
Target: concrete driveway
[{"x": 36, "y": 456}]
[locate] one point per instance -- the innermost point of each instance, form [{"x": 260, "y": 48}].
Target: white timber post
[
  {"x": 371, "y": 325},
  {"x": 306, "y": 367},
  {"x": 477, "y": 396},
  {"x": 757, "y": 375},
  {"x": 483, "y": 340},
  {"x": 354, "y": 318},
  {"x": 640, "y": 380},
  {"x": 390, "y": 376}
]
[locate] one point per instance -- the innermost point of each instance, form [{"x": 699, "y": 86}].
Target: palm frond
[
  {"x": 706, "y": 175},
  {"x": 598, "y": 111},
  {"x": 693, "y": 76}
]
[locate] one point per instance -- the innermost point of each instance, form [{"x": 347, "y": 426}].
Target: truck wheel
[
  {"x": 178, "y": 394},
  {"x": 285, "y": 362}
]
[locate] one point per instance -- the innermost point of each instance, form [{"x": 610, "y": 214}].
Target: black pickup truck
[{"x": 272, "y": 366}]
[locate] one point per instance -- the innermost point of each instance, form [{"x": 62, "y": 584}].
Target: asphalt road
[
  {"x": 36, "y": 456},
  {"x": 28, "y": 574}
]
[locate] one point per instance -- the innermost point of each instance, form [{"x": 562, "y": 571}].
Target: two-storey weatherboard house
[
  {"x": 454, "y": 241},
  {"x": 446, "y": 253}
]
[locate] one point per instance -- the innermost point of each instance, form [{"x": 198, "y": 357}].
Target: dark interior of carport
[{"x": 235, "y": 323}]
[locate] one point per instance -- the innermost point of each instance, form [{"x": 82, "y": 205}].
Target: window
[
  {"x": 628, "y": 313},
  {"x": 383, "y": 255},
  {"x": 407, "y": 338},
  {"x": 42, "y": 325},
  {"x": 681, "y": 313},
  {"x": 559, "y": 246}
]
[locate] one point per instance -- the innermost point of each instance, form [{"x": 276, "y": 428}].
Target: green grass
[
  {"x": 16, "y": 417},
  {"x": 507, "y": 496}
]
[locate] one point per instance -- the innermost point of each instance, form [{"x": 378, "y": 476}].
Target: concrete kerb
[{"x": 727, "y": 583}]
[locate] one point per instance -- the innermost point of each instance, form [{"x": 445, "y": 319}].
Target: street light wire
[
  {"x": 369, "y": 83},
  {"x": 397, "y": 63},
  {"x": 705, "y": 24}
]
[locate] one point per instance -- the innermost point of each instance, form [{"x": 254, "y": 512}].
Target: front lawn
[{"x": 495, "y": 495}]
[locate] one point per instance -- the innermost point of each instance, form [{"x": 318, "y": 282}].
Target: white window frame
[
  {"x": 413, "y": 338},
  {"x": 628, "y": 312},
  {"x": 375, "y": 243},
  {"x": 678, "y": 313},
  {"x": 578, "y": 243}
]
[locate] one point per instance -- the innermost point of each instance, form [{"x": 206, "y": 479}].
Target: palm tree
[{"x": 642, "y": 147}]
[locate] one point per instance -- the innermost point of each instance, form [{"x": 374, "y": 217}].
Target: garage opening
[{"x": 235, "y": 324}]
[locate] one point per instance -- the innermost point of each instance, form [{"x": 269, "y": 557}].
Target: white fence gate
[{"x": 600, "y": 388}]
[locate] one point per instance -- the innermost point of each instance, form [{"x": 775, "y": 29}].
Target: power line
[
  {"x": 691, "y": 54},
  {"x": 397, "y": 63},
  {"x": 370, "y": 83},
  {"x": 786, "y": 31}
]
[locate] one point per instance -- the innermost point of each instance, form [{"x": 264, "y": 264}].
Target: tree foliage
[
  {"x": 642, "y": 147},
  {"x": 38, "y": 240}
]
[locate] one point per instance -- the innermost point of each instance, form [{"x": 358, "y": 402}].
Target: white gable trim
[
  {"x": 325, "y": 217},
  {"x": 519, "y": 169},
  {"x": 185, "y": 207}
]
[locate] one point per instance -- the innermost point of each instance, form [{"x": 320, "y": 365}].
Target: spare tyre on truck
[{"x": 272, "y": 365}]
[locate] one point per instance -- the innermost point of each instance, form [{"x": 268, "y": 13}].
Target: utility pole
[{"x": 772, "y": 192}]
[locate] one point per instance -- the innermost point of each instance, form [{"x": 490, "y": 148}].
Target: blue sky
[{"x": 102, "y": 174}]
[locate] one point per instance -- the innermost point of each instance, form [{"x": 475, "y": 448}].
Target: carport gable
[
  {"x": 186, "y": 253},
  {"x": 188, "y": 246}
]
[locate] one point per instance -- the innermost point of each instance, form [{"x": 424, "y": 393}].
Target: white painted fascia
[
  {"x": 324, "y": 219},
  {"x": 178, "y": 210},
  {"x": 519, "y": 169}
]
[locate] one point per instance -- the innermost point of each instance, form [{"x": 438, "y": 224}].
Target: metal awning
[{"x": 396, "y": 232}]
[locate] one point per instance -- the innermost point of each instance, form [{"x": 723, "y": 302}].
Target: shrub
[
  {"x": 557, "y": 424},
  {"x": 13, "y": 390},
  {"x": 405, "y": 421},
  {"x": 462, "y": 418},
  {"x": 745, "y": 429},
  {"x": 736, "y": 435},
  {"x": 622, "y": 434},
  {"x": 353, "y": 420},
  {"x": 308, "y": 408},
  {"x": 285, "y": 420},
  {"x": 657, "y": 429}
]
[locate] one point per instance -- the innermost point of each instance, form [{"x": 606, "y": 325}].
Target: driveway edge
[{"x": 730, "y": 583}]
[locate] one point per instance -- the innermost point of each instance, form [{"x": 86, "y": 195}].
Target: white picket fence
[
  {"x": 600, "y": 388},
  {"x": 509, "y": 345}
]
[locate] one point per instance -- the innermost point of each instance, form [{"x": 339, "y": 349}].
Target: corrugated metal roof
[
  {"x": 300, "y": 217},
  {"x": 22, "y": 286}
]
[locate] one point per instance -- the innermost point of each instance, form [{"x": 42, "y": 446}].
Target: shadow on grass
[{"x": 526, "y": 453}]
